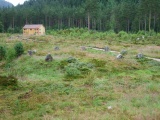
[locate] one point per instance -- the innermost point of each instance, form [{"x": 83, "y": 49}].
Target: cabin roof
[{"x": 32, "y": 26}]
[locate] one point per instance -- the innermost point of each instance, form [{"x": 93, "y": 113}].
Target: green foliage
[
  {"x": 1, "y": 27},
  {"x": 72, "y": 71},
  {"x": 71, "y": 60},
  {"x": 122, "y": 34},
  {"x": 10, "y": 30},
  {"x": 19, "y": 49},
  {"x": 98, "y": 63},
  {"x": 75, "y": 69},
  {"x": 10, "y": 54},
  {"x": 141, "y": 32},
  {"x": 2, "y": 52},
  {"x": 9, "y": 81}
]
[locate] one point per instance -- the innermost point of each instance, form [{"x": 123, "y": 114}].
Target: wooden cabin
[{"x": 34, "y": 29}]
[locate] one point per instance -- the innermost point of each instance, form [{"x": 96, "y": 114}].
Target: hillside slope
[{"x": 4, "y": 3}]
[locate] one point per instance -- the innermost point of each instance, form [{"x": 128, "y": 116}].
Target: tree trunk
[
  {"x": 49, "y": 22},
  {"x": 13, "y": 23},
  {"x": 46, "y": 21},
  {"x": 149, "y": 21},
  {"x": 145, "y": 26},
  {"x": 154, "y": 22},
  {"x": 58, "y": 24},
  {"x": 61, "y": 23},
  {"x": 89, "y": 21},
  {"x": 26, "y": 21},
  {"x": 100, "y": 24},
  {"x": 139, "y": 25},
  {"x": 69, "y": 22},
  {"x": 128, "y": 26}
]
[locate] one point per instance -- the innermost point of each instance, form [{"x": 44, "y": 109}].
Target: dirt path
[
  {"x": 154, "y": 59},
  {"x": 102, "y": 49}
]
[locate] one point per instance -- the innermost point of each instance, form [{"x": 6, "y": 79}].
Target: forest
[{"x": 101, "y": 15}]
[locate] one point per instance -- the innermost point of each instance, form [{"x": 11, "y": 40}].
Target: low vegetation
[{"x": 79, "y": 84}]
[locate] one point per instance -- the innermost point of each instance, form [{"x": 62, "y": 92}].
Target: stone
[
  {"x": 83, "y": 48},
  {"x": 56, "y": 48},
  {"x": 49, "y": 58},
  {"x": 106, "y": 49},
  {"x": 34, "y": 51},
  {"x": 139, "y": 55},
  {"x": 123, "y": 52},
  {"x": 30, "y": 52},
  {"x": 109, "y": 107},
  {"x": 119, "y": 56}
]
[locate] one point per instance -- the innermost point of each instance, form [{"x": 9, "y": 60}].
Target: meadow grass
[{"x": 45, "y": 92}]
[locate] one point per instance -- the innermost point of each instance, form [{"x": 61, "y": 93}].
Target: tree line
[{"x": 101, "y": 15}]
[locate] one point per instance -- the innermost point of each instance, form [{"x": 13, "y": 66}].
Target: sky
[{"x": 16, "y": 2}]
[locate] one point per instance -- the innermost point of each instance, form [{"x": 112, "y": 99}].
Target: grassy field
[{"x": 81, "y": 85}]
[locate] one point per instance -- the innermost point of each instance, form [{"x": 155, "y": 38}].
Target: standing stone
[
  {"x": 56, "y": 48},
  {"x": 34, "y": 51},
  {"x": 49, "y": 58},
  {"x": 119, "y": 56},
  {"x": 106, "y": 49},
  {"x": 139, "y": 55},
  {"x": 123, "y": 52},
  {"x": 30, "y": 52},
  {"x": 83, "y": 48}
]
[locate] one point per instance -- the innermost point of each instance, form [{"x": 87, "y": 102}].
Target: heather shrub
[
  {"x": 2, "y": 52},
  {"x": 19, "y": 49}
]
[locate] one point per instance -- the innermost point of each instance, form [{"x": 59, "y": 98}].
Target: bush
[
  {"x": 141, "y": 32},
  {"x": 122, "y": 34},
  {"x": 10, "y": 54},
  {"x": 76, "y": 69},
  {"x": 72, "y": 71},
  {"x": 19, "y": 49},
  {"x": 9, "y": 81},
  {"x": 98, "y": 63},
  {"x": 2, "y": 52},
  {"x": 10, "y": 30},
  {"x": 71, "y": 60}
]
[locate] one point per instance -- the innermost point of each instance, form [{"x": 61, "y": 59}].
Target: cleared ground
[{"x": 81, "y": 84}]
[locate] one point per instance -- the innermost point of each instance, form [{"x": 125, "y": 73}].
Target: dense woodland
[{"x": 101, "y": 15}]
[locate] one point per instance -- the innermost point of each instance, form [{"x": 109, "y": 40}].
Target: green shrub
[
  {"x": 98, "y": 63},
  {"x": 10, "y": 54},
  {"x": 152, "y": 33},
  {"x": 77, "y": 69},
  {"x": 71, "y": 60},
  {"x": 10, "y": 30},
  {"x": 122, "y": 34},
  {"x": 72, "y": 71},
  {"x": 62, "y": 64},
  {"x": 141, "y": 32},
  {"x": 19, "y": 49},
  {"x": 9, "y": 81},
  {"x": 2, "y": 52}
]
